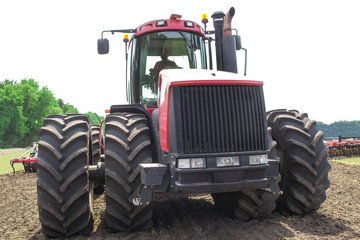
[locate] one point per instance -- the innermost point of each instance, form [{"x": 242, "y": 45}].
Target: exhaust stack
[
  {"x": 227, "y": 22},
  {"x": 224, "y": 41}
]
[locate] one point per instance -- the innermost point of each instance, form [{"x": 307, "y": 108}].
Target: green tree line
[
  {"x": 343, "y": 128},
  {"x": 23, "y": 107}
]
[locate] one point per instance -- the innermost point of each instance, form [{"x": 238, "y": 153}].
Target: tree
[
  {"x": 94, "y": 118},
  {"x": 343, "y": 128},
  {"x": 23, "y": 107},
  {"x": 12, "y": 120},
  {"x": 66, "y": 107}
]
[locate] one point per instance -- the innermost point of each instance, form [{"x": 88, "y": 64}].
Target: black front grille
[{"x": 221, "y": 118}]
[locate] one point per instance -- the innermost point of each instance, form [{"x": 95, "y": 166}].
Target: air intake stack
[{"x": 224, "y": 41}]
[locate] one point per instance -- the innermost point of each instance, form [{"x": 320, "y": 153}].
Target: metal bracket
[
  {"x": 97, "y": 172},
  {"x": 144, "y": 195},
  {"x": 273, "y": 177},
  {"x": 152, "y": 175},
  {"x": 274, "y": 185}
]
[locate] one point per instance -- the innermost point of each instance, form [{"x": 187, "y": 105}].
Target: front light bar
[{"x": 224, "y": 161}]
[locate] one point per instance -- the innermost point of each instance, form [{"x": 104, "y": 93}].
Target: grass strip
[
  {"x": 351, "y": 161},
  {"x": 5, "y": 166}
]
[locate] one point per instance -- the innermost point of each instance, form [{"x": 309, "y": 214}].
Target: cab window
[{"x": 163, "y": 50}]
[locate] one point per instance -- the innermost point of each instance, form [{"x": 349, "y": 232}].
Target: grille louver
[{"x": 222, "y": 118}]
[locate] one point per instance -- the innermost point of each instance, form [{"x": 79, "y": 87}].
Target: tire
[
  {"x": 65, "y": 196},
  {"x": 96, "y": 149},
  {"x": 30, "y": 167},
  {"x": 248, "y": 204},
  {"x": 303, "y": 162},
  {"x": 96, "y": 154},
  {"x": 128, "y": 143}
]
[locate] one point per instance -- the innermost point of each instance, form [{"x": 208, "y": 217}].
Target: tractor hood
[{"x": 179, "y": 77}]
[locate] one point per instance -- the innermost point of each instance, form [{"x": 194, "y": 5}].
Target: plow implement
[
  {"x": 344, "y": 147},
  {"x": 28, "y": 162}
]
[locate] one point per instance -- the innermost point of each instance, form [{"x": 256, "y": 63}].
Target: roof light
[
  {"x": 146, "y": 27},
  {"x": 161, "y": 23},
  {"x": 126, "y": 37},
  {"x": 204, "y": 19},
  {"x": 107, "y": 111},
  {"x": 175, "y": 17},
  {"x": 189, "y": 24}
]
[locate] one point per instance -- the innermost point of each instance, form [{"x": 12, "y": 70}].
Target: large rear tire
[
  {"x": 128, "y": 143},
  {"x": 303, "y": 162},
  {"x": 65, "y": 196}
]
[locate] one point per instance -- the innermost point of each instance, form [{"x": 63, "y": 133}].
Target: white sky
[{"x": 306, "y": 52}]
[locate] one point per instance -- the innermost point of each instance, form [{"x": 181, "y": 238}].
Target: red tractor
[{"x": 187, "y": 129}]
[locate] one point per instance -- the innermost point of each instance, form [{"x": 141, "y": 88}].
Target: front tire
[
  {"x": 63, "y": 187},
  {"x": 128, "y": 143},
  {"x": 249, "y": 204},
  {"x": 246, "y": 204},
  {"x": 303, "y": 162}
]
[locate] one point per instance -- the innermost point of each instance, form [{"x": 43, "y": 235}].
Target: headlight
[
  {"x": 184, "y": 163},
  {"x": 191, "y": 163},
  {"x": 227, "y": 161},
  {"x": 258, "y": 159}
]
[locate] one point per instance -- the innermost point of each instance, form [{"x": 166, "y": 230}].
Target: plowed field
[{"x": 195, "y": 217}]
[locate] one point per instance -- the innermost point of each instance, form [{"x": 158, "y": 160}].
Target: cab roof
[{"x": 174, "y": 23}]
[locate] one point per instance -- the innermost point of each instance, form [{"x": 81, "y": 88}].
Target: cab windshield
[{"x": 156, "y": 51}]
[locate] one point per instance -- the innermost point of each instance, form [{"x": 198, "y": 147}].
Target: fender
[{"x": 132, "y": 108}]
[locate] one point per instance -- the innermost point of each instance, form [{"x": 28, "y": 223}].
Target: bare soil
[{"x": 179, "y": 217}]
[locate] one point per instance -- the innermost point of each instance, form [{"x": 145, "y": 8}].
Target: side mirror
[
  {"x": 103, "y": 46},
  {"x": 237, "y": 42}
]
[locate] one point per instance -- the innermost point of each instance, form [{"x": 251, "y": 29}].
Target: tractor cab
[
  {"x": 155, "y": 51},
  {"x": 157, "y": 45}
]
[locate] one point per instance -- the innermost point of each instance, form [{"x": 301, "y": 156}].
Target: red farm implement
[
  {"x": 29, "y": 162},
  {"x": 343, "y": 147}
]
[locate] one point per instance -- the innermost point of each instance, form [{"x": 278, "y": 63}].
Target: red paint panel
[
  {"x": 164, "y": 121},
  {"x": 150, "y": 110}
]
